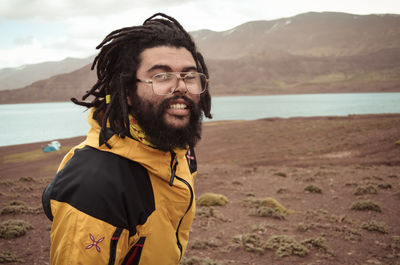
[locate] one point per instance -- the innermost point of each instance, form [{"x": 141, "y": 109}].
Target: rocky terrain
[{"x": 321, "y": 190}]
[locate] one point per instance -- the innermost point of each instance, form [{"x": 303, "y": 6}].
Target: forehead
[{"x": 175, "y": 58}]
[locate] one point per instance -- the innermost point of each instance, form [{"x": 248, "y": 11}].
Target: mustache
[{"x": 166, "y": 102}]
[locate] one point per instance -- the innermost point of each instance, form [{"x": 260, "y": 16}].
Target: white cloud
[
  {"x": 63, "y": 9},
  {"x": 24, "y": 40},
  {"x": 34, "y": 53},
  {"x": 42, "y": 30}
]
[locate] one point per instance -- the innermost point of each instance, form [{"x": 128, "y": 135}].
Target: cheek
[
  {"x": 195, "y": 98},
  {"x": 146, "y": 94}
]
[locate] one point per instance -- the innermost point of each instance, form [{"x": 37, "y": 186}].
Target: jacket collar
[{"x": 154, "y": 160}]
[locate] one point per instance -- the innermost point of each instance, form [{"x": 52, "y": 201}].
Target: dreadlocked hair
[{"x": 117, "y": 64}]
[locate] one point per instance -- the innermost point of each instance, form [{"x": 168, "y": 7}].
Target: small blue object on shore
[{"x": 53, "y": 146}]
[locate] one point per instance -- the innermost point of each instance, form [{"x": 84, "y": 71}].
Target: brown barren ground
[{"x": 316, "y": 168}]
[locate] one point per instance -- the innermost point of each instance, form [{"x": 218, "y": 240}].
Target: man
[{"x": 125, "y": 195}]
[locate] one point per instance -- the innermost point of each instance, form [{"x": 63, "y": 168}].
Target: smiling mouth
[{"x": 178, "y": 106}]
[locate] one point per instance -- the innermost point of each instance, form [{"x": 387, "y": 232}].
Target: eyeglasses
[{"x": 166, "y": 83}]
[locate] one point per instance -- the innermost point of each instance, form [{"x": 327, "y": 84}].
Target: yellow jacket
[{"x": 131, "y": 204}]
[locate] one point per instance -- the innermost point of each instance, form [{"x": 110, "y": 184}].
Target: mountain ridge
[
  {"x": 17, "y": 77},
  {"x": 313, "y": 52}
]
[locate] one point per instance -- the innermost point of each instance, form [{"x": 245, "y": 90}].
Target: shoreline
[
  {"x": 211, "y": 123},
  {"x": 77, "y": 139}
]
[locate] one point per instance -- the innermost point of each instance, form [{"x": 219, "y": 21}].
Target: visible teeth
[{"x": 177, "y": 106}]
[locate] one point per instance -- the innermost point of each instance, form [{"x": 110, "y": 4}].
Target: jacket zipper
[
  {"x": 173, "y": 176},
  {"x": 190, "y": 205},
  {"x": 173, "y": 165}
]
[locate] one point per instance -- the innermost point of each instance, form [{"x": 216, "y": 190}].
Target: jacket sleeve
[
  {"x": 77, "y": 238},
  {"x": 94, "y": 214}
]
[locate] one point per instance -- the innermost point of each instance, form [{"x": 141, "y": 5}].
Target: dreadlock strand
[
  {"x": 153, "y": 16},
  {"x": 206, "y": 98},
  {"x": 120, "y": 53},
  {"x": 118, "y": 34},
  {"x": 112, "y": 35},
  {"x": 108, "y": 110},
  {"x": 203, "y": 66},
  {"x": 85, "y": 104},
  {"x": 167, "y": 17},
  {"x": 175, "y": 22},
  {"x": 90, "y": 92},
  {"x": 125, "y": 112}
]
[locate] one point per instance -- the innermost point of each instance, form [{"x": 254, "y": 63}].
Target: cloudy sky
[{"x": 34, "y": 31}]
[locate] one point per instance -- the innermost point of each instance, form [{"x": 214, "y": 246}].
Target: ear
[{"x": 128, "y": 100}]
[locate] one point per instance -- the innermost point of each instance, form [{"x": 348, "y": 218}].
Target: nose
[{"x": 181, "y": 86}]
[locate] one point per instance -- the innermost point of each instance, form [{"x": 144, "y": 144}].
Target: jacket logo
[{"x": 95, "y": 243}]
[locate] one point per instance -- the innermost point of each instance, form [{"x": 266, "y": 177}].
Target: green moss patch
[
  {"x": 366, "y": 206},
  {"x": 303, "y": 227},
  {"x": 26, "y": 179},
  {"x": 14, "y": 228},
  {"x": 286, "y": 246},
  {"x": 385, "y": 186},
  {"x": 282, "y": 191},
  {"x": 374, "y": 226},
  {"x": 267, "y": 202},
  {"x": 268, "y": 212},
  {"x": 204, "y": 244},
  {"x": 370, "y": 189},
  {"x": 250, "y": 242},
  {"x": 6, "y": 257},
  {"x": 259, "y": 228},
  {"x": 267, "y": 207},
  {"x": 396, "y": 243},
  {"x": 351, "y": 234},
  {"x": 313, "y": 189},
  {"x": 318, "y": 243},
  {"x": 280, "y": 174},
  {"x": 19, "y": 207},
  {"x": 212, "y": 199}
]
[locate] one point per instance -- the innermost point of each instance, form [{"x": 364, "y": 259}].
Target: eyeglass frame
[{"x": 178, "y": 76}]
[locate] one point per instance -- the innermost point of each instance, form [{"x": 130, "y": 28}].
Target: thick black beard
[{"x": 162, "y": 135}]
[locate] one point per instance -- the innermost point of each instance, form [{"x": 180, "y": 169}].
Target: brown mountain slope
[
  {"x": 309, "y": 34},
  {"x": 266, "y": 74},
  {"x": 309, "y": 53},
  {"x": 57, "y": 88},
  {"x": 11, "y": 78}
]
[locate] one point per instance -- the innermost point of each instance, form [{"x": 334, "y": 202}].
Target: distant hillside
[
  {"x": 310, "y": 34},
  {"x": 312, "y": 52},
  {"x": 308, "y": 53},
  {"x": 11, "y": 78},
  {"x": 57, "y": 88}
]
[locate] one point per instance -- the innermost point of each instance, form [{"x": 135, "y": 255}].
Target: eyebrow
[{"x": 167, "y": 68}]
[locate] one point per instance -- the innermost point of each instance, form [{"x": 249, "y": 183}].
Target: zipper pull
[{"x": 173, "y": 164}]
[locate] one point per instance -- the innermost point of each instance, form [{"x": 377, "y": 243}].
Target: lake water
[{"x": 27, "y": 123}]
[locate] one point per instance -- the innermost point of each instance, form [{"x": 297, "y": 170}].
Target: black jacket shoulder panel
[
  {"x": 105, "y": 186},
  {"x": 46, "y": 201}
]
